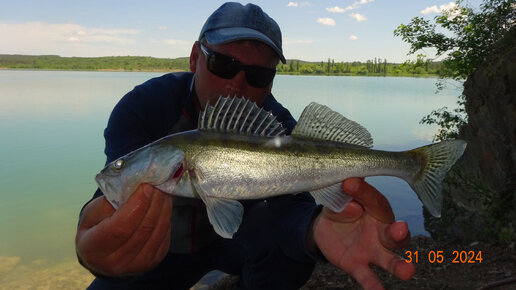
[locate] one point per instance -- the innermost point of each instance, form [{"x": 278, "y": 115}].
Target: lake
[{"x": 51, "y": 146}]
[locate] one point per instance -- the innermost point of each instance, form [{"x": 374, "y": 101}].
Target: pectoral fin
[
  {"x": 225, "y": 215},
  {"x": 332, "y": 197}
]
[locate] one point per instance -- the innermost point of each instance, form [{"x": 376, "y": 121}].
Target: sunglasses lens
[
  {"x": 227, "y": 68},
  {"x": 223, "y": 66},
  {"x": 259, "y": 77}
]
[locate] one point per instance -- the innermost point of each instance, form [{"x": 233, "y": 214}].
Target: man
[{"x": 159, "y": 241}]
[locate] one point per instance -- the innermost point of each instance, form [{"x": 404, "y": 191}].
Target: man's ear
[{"x": 194, "y": 57}]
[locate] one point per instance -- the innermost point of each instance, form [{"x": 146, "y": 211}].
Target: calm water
[{"x": 51, "y": 143}]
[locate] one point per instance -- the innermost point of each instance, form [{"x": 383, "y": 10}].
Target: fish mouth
[
  {"x": 100, "y": 182},
  {"x": 107, "y": 189}
]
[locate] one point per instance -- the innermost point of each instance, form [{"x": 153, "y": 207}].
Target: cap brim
[{"x": 225, "y": 35}]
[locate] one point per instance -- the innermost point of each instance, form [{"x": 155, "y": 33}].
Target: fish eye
[{"x": 118, "y": 164}]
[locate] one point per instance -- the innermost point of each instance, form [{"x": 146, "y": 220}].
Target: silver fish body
[
  {"x": 240, "y": 152},
  {"x": 260, "y": 167}
]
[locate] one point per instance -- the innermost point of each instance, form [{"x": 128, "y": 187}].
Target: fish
[{"x": 241, "y": 151}]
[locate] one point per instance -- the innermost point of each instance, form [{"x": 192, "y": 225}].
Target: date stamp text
[{"x": 441, "y": 256}]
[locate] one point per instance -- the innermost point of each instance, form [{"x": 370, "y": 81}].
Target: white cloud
[
  {"x": 297, "y": 4},
  {"x": 435, "y": 9},
  {"x": 119, "y": 36},
  {"x": 355, "y": 5},
  {"x": 358, "y": 17},
  {"x": 326, "y": 21},
  {"x": 353, "y": 37},
  {"x": 338, "y": 9},
  {"x": 429, "y": 10},
  {"x": 66, "y": 39},
  {"x": 64, "y": 32},
  {"x": 176, "y": 42}
]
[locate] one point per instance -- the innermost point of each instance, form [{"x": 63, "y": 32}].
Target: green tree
[
  {"x": 465, "y": 37},
  {"x": 384, "y": 66},
  {"x": 417, "y": 67}
]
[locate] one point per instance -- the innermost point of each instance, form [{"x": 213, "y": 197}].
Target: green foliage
[
  {"x": 125, "y": 63},
  {"x": 449, "y": 122},
  {"x": 468, "y": 38},
  {"x": 374, "y": 67},
  {"x": 465, "y": 37}
]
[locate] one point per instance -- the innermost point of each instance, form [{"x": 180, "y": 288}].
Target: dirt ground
[
  {"x": 495, "y": 270},
  {"x": 439, "y": 266}
]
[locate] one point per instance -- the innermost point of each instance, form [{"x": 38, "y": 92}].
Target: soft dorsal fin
[
  {"x": 239, "y": 116},
  {"x": 320, "y": 122}
]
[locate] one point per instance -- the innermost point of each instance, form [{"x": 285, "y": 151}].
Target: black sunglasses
[{"x": 227, "y": 68}]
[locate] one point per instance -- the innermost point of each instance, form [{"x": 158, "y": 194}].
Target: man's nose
[{"x": 238, "y": 84}]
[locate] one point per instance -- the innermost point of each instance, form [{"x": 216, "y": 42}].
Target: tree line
[
  {"x": 123, "y": 63},
  {"x": 374, "y": 67}
]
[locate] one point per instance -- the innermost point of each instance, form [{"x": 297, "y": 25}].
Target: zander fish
[{"x": 240, "y": 151}]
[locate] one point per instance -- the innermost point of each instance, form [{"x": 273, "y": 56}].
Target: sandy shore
[{"x": 40, "y": 274}]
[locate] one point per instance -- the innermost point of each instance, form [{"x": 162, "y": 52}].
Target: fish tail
[{"x": 437, "y": 160}]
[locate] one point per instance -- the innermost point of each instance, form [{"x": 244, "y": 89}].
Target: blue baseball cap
[{"x": 233, "y": 22}]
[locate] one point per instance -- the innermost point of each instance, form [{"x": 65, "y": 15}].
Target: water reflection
[
  {"x": 390, "y": 108},
  {"x": 51, "y": 125}
]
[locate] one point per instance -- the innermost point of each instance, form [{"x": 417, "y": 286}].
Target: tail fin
[{"x": 438, "y": 159}]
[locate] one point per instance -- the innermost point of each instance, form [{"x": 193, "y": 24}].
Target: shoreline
[{"x": 177, "y": 70}]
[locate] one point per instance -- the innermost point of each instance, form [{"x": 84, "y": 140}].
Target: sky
[{"x": 315, "y": 30}]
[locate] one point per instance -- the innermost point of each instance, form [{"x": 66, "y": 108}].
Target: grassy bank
[
  {"x": 375, "y": 67},
  {"x": 107, "y": 63}
]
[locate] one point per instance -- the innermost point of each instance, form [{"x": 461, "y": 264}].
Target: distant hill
[
  {"x": 123, "y": 63},
  {"x": 374, "y": 67}
]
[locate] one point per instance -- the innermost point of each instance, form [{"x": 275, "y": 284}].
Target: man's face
[{"x": 209, "y": 87}]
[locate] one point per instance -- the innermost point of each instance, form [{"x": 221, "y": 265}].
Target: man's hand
[
  {"x": 128, "y": 241},
  {"x": 362, "y": 234}
]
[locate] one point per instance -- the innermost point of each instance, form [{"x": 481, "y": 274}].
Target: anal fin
[{"x": 332, "y": 197}]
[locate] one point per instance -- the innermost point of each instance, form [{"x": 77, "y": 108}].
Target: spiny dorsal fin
[
  {"x": 239, "y": 116},
  {"x": 320, "y": 122}
]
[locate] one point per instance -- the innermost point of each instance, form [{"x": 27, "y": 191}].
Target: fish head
[{"x": 155, "y": 164}]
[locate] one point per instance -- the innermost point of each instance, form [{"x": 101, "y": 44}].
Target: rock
[{"x": 480, "y": 193}]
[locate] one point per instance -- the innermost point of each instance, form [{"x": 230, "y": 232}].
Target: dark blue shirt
[{"x": 165, "y": 104}]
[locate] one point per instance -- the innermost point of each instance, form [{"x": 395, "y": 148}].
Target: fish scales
[
  {"x": 252, "y": 168},
  {"x": 241, "y": 152}
]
